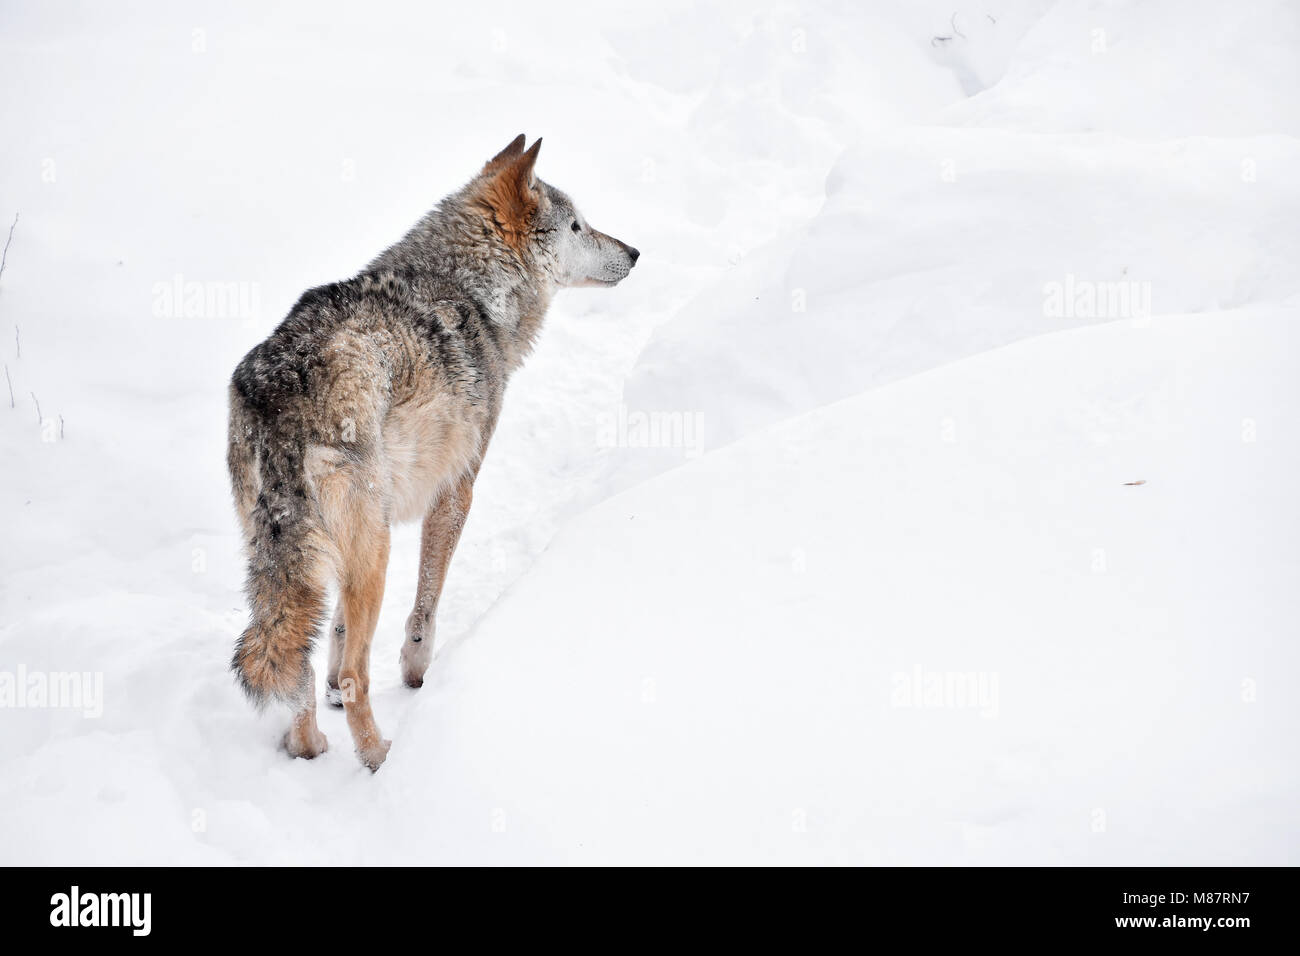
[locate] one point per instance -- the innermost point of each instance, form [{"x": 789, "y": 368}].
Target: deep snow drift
[{"x": 924, "y": 622}]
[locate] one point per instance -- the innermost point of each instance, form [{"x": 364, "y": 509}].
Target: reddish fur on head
[{"x": 506, "y": 190}]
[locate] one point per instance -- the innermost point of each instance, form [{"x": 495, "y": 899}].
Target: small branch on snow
[
  {"x": 39, "y": 418},
  {"x": 953, "y": 22},
  {"x": 11, "y": 385},
  {"x": 5, "y": 255}
]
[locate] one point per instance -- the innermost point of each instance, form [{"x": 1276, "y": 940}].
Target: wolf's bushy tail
[{"x": 286, "y": 591}]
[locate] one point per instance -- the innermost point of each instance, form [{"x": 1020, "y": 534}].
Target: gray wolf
[{"x": 373, "y": 402}]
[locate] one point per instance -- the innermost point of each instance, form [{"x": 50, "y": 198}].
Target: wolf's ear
[
  {"x": 501, "y": 159},
  {"x": 508, "y": 192},
  {"x": 523, "y": 166}
]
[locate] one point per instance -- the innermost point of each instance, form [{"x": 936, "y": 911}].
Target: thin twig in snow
[
  {"x": 39, "y": 419},
  {"x": 5, "y": 255},
  {"x": 11, "y": 385}
]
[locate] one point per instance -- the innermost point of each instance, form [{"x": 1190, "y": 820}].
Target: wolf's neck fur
[{"x": 453, "y": 252}]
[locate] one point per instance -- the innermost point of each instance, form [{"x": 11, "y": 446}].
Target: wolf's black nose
[{"x": 635, "y": 254}]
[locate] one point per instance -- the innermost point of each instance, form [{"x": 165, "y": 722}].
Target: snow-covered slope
[{"x": 939, "y": 623}]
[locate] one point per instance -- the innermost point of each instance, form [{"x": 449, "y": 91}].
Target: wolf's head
[{"x": 541, "y": 224}]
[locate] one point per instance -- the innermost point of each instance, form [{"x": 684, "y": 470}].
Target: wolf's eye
[{"x": 575, "y": 227}]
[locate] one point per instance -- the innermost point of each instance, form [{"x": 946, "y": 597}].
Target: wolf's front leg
[{"x": 442, "y": 527}]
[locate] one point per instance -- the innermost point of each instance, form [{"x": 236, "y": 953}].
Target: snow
[
  {"x": 735, "y": 678},
  {"x": 890, "y": 466}
]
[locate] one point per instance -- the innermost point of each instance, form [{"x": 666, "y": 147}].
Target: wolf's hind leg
[
  {"x": 334, "y": 696},
  {"x": 364, "y": 544},
  {"x": 363, "y": 593},
  {"x": 441, "y": 531},
  {"x": 304, "y": 738},
  {"x": 352, "y": 493}
]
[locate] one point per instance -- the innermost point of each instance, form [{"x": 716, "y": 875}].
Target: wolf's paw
[
  {"x": 417, "y": 650},
  {"x": 374, "y": 755},
  {"x": 333, "y": 696},
  {"x": 305, "y": 743}
]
